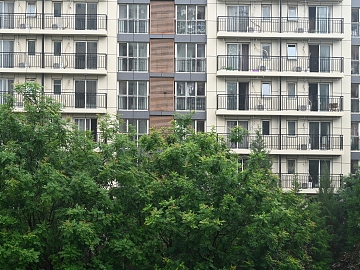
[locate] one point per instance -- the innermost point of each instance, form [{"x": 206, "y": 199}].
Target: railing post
[
  {"x": 341, "y": 142},
  {"x": 217, "y": 101},
  {"x": 105, "y": 100}
]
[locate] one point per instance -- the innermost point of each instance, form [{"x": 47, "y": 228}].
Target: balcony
[
  {"x": 69, "y": 24},
  {"x": 308, "y": 181},
  {"x": 296, "y": 27},
  {"x": 228, "y": 104},
  {"x": 294, "y": 66},
  {"x": 133, "y": 64},
  {"x": 190, "y": 65},
  {"x": 21, "y": 62},
  {"x": 133, "y": 26},
  {"x": 71, "y": 102},
  {"x": 298, "y": 144},
  {"x": 136, "y": 103}
]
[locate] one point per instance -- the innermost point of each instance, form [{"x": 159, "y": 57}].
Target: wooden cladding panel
[
  {"x": 162, "y": 14},
  {"x": 160, "y": 121},
  {"x": 162, "y": 94},
  {"x": 162, "y": 55}
]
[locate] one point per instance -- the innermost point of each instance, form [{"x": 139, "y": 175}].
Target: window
[
  {"x": 292, "y": 13},
  {"x": 31, "y": 9},
  {"x": 57, "y": 9},
  {"x": 190, "y": 96},
  {"x": 140, "y": 126},
  {"x": 57, "y": 87},
  {"x": 266, "y": 89},
  {"x": 190, "y": 57},
  {"x": 133, "y": 95},
  {"x": 133, "y": 56},
  {"x": 190, "y": 19},
  {"x": 31, "y": 47},
  {"x": 291, "y": 166},
  {"x": 265, "y": 50},
  {"x": 87, "y": 124},
  {"x": 291, "y": 89},
  {"x": 6, "y": 87},
  {"x": 199, "y": 125},
  {"x": 291, "y": 51},
  {"x": 355, "y": 102},
  {"x": 354, "y": 166},
  {"x": 266, "y": 127},
  {"x": 133, "y": 18},
  {"x": 85, "y": 94},
  {"x": 87, "y": 16},
  {"x": 291, "y": 128},
  {"x": 266, "y": 12},
  {"x": 57, "y": 48}
]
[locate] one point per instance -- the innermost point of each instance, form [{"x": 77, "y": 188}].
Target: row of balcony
[
  {"x": 301, "y": 25},
  {"x": 91, "y": 61},
  {"x": 301, "y": 103},
  {"x": 307, "y": 180},
  {"x": 65, "y": 22},
  {"x": 295, "y": 142}
]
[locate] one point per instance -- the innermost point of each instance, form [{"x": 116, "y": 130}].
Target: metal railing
[
  {"x": 133, "y": 103},
  {"x": 133, "y": 63},
  {"x": 63, "y": 22},
  {"x": 279, "y": 103},
  {"x": 20, "y": 60},
  {"x": 67, "y": 99},
  {"x": 133, "y": 26},
  {"x": 76, "y": 61},
  {"x": 272, "y": 63},
  {"x": 272, "y": 24},
  {"x": 290, "y": 142},
  {"x": 190, "y": 65},
  {"x": 308, "y": 181},
  {"x": 190, "y": 103}
]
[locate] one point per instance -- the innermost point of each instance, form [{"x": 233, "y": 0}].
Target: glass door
[
  {"x": 231, "y": 94},
  {"x": 7, "y": 15},
  {"x": 324, "y": 52},
  {"x": 322, "y": 19},
  {"x": 238, "y": 18},
  {"x": 324, "y": 96},
  {"x": 80, "y": 16},
  {"x": 7, "y": 54},
  {"x": 318, "y": 169},
  {"x": 319, "y": 133},
  {"x": 244, "y": 144},
  {"x": 234, "y": 52}
]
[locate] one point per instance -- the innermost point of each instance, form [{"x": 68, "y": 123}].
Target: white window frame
[
  {"x": 190, "y": 64},
  {"x": 134, "y": 101},
  {"x": 31, "y": 9},
  {"x": 138, "y": 24},
  {"x": 188, "y": 25},
  {"x": 6, "y": 86},
  {"x": 265, "y": 89},
  {"x": 263, "y": 8},
  {"x": 291, "y": 85},
  {"x": 288, "y": 167},
  {"x": 189, "y": 96},
  {"x": 292, "y": 13},
  {"x": 28, "y": 47},
  {"x": 196, "y": 125},
  {"x": 125, "y": 127},
  {"x": 55, "y": 83},
  {"x": 262, "y": 127},
  {"x": 87, "y": 124},
  {"x": 134, "y": 63},
  {"x": 295, "y": 128},
  {"x": 54, "y": 5},
  {"x": 265, "y": 50},
  {"x": 291, "y": 51}
]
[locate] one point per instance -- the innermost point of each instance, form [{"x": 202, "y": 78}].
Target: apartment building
[{"x": 279, "y": 67}]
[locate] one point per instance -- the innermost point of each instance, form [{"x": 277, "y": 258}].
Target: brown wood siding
[
  {"x": 160, "y": 121},
  {"x": 162, "y": 55},
  {"x": 162, "y": 17},
  {"x": 162, "y": 94}
]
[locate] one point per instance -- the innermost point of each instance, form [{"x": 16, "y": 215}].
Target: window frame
[
  {"x": 55, "y": 85},
  {"x": 56, "y": 53},
  {"x": 265, "y": 53},
  {"x": 290, "y": 10},
  {"x": 292, "y": 134},
  {"x": 57, "y": 13},
  {"x": 268, "y": 93},
  {"x": 124, "y": 25},
  {"x": 265, "y": 18},
  {"x": 190, "y": 64},
  {"x": 288, "y": 166},
  {"x": 129, "y": 60},
  {"x": 31, "y": 47},
  {"x": 31, "y": 9},
  {"x": 124, "y": 128},
  {"x": 188, "y": 25},
  {"x": 129, "y": 97},
  {"x": 288, "y": 51},
  {"x": 288, "y": 89},
  {"x": 268, "y": 127},
  {"x": 197, "y": 104}
]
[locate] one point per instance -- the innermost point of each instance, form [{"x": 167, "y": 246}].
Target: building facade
[{"x": 282, "y": 68}]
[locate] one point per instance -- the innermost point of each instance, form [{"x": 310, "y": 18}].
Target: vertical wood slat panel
[
  {"x": 162, "y": 94},
  {"x": 162, "y": 17},
  {"x": 162, "y": 55},
  {"x": 160, "y": 121}
]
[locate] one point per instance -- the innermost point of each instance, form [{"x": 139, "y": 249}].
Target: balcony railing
[
  {"x": 190, "y": 103},
  {"x": 133, "y": 63},
  {"x": 133, "y": 26},
  {"x": 190, "y": 65},
  {"x": 76, "y": 61},
  {"x": 308, "y": 181},
  {"x": 299, "y": 142},
  {"x": 65, "y": 60},
  {"x": 67, "y": 99},
  {"x": 63, "y": 22},
  {"x": 272, "y": 63},
  {"x": 133, "y": 103},
  {"x": 279, "y": 103},
  {"x": 272, "y": 25}
]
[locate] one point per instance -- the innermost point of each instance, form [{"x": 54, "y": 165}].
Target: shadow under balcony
[{"x": 241, "y": 104}]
